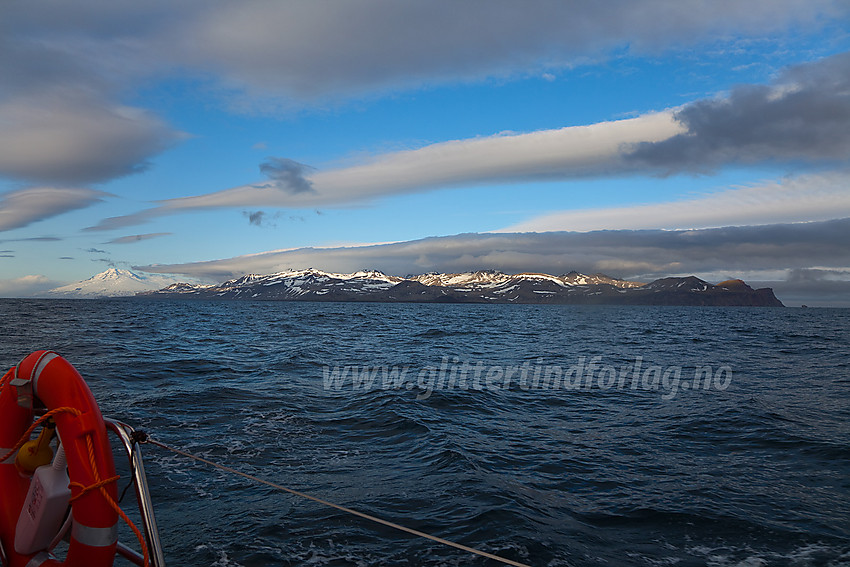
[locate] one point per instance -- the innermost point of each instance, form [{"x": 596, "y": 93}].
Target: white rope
[{"x": 342, "y": 508}]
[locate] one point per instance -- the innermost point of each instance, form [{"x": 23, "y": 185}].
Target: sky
[{"x": 206, "y": 139}]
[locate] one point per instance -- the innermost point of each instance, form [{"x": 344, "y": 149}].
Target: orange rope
[
  {"x": 86, "y": 489},
  {"x": 26, "y": 436},
  {"x": 100, "y": 485}
]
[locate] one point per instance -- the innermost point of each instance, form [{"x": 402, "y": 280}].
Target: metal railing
[{"x": 125, "y": 433}]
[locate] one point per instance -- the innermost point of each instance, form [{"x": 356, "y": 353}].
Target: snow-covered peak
[
  {"x": 114, "y": 282},
  {"x": 490, "y": 278},
  {"x": 321, "y": 274},
  {"x": 114, "y": 274},
  {"x": 576, "y": 278},
  {"x": 370, "y": 275},
  {"x": 480, "y": 277},
  {"x": 540, "y": 277},
  {"x": 184, "y": 287},
  {"x": 246, "y": 279}
]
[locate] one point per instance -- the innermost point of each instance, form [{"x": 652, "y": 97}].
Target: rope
[
  {"x": 342, "y": 508},
  {"x": 100, "y": 485},
  {"x": 26, "y": 436},
  {"x": 86, "y": 489}
]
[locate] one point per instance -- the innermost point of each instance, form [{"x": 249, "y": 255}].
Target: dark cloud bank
[{"x": 803, "y": 117}]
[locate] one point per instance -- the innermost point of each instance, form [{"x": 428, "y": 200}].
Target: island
[{"x": 473, "y": 287}]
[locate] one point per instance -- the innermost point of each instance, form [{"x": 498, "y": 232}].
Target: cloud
[
  {"x": 255, "y": 218},
  {"x": 66, "y": 138},
  {"x": 812, "y": 197},
  {"x": 804, "y": 116},
  {"x": 286, "y": 175},
  {"x": 291, "y": 52},
  {"x": 25, "y": 206},
  {"x": 271, "y": 55},
  {"x": 26, "y": 286},
  {"x": 306, "y": 51},
  {"x": 810, "y": 275},
  {"x": 262, "y": 218},
  {"x": 564, "y": 153},
  {"x": 624, "y": 253},
  {"x": 33, "y": 239},
  {"x": 66, "y": 70},
  {"x": 136, "y": 238}
]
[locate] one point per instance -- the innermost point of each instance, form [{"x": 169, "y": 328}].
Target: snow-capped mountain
[
  {"x": 114, "y": 282},
  {"x": 290, "y": 284},
  {"x": 472, "y": 287},
  {"x": 489, "y": 278}
]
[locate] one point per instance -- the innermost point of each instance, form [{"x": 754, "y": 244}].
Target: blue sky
[{"x": 211, "y": 139}]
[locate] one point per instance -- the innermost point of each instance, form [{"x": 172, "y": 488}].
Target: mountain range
[{"x": 473, "y": 287}]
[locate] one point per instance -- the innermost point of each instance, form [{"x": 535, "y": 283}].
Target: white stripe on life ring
[
  {"x": 43, "y": 361},
  {"x": 94, "y": 537}
]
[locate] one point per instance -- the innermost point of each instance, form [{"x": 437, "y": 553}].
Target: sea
[{"x": 550, "y": 435}]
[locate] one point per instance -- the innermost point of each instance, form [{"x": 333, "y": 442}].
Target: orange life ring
[{"x": 48, "y": 378}]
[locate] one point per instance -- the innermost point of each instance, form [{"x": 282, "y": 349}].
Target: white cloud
[
  {"x": 289, "y": 53},
  {"x": 812, "y": 197},
  {"x": 572, "y": 152},
  {"x": 65, "y": 69},
  {"x": 25, "y": 206},
  {"x": 26, "y": 286},
  {"x": 73, "y": 138},
  {"x": 301, "y": 51}
]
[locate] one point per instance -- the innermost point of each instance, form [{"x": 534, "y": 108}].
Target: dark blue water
[{"x": 632, "y": 464}]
